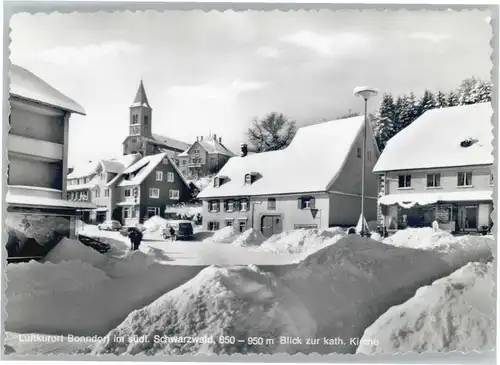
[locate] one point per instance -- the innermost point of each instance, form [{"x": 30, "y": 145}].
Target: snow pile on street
[
  {"x": 455, "y": 313},
  {"x": 243, "y": 302},
  {"x": 348, "y": 285},
  {"x": 79, "y": 291},
  {"x": 251, "y": 237},
  {"x": 155, "y": 224},
  {"x": 302, "y": 240},
  {"x": 225, "y": 235}
]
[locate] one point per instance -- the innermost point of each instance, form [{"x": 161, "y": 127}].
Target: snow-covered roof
[
  {"x": 310, "y": 163},
  {"x": 434, "y": 140},
  {"x": 142, "y": 168},
  {"x": 170, "y": 142},
  {"x": 90, "y": 185},
  {"x": 40, "y": 201},
  {"x": 113, "y": 165},
  {"x": 434, "y": 197},
  {"x": 212, "y": 146},
  {"x": 26, "y": 85}
]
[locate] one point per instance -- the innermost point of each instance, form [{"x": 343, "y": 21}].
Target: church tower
[{"x": 140, "y": 128}]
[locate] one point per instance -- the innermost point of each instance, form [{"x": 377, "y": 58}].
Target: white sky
[{"x": 214, "y": 72}]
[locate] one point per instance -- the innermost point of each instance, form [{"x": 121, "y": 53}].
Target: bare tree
[{"x": 273, "y": 132}]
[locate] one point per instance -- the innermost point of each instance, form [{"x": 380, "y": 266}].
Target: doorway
[
  {"x": 467, "y": 218},
  {"x": 271, "y": 225}
]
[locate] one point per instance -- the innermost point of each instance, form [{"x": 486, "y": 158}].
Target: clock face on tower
[{"x": 134, "y": 130}]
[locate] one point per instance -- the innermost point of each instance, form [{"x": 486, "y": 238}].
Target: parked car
[
  {"x": 183, "y": 230},
  {"x": 94, "y": 243},
  {"x": 110, "y": 226}
]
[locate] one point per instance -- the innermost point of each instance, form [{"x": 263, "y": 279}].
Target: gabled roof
[
  {"x": 433, "y": 140},
  {"x": 140, "y": 98},
  {"x": 25, "y": 85},
  {"x": 212, "y": 146},
  {"x": 310, "y": 163},
  {"x": 145, "y": 166},
  {"x": 170, "y": 142},
  {"x": 114, "y": 165}
]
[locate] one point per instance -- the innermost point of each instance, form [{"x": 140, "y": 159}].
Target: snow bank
[
  {"x": 225, "y": 235},
  {"x": 348, "y": 285},
  {"x": 302, "y": 240},
  {"x": 242, "y": 302},
  {"x": 155, "y": 224},
  {"x": 251, "y": 237},
  {"x": 72, "y": 250},
  {"x": 421, "y": 238},
  {"x": 455, "y": 313}
]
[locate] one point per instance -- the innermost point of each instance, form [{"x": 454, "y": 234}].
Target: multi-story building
[
  {"x": 205, "y": 156},
  {"x": 146, "y": 187},
  {"x": 439, "y": 169},
  {"x": 37, "y": 144},
  {"x": 90, "y": 182},
  {"x": 141, "y": 138},
  {"x": 313, "y": 183}
]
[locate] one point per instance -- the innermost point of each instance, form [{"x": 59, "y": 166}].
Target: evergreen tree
[
  {"x": 414, "y": 109},
  {"x": 401, "y": 113},
  {"x": 481, "y": 92},
  {"x": 441, "y": 101},
  {"x": 384, "y": 121},
  {"x": 427, "y": 102},
  {"x": 465, "y": 91},
  {"x": 452, "y": 99}
]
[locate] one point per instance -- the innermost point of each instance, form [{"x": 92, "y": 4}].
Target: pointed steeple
[{"x": 140, "y": 98}]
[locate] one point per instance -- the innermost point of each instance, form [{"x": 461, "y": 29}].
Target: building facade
[
  {"x": 141, "y": 138},
  {"x": 146, "y": 188},
  {"x": 313, "y": 183},
  {"x": 38, "y": 211},
  {"x": 450, "y": 180},
  {"x": 91, "y": 182},
  {"x": 204, "y": 157}
]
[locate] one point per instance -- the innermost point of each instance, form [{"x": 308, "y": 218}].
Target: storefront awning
[
  {"x": 45, "y": 202},
  {"x": 121, "y": 204},
  {"x": 101, "y": 209},
  {"x": 409, "y": 200}
]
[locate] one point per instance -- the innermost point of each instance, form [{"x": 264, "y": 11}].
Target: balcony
[
  {"x": 195, "y": 164},
  {"x": 33, "y": 147}
]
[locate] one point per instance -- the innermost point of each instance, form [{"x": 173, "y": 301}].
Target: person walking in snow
[
  {"x": 132, "y": 238},
  {"x": 137, "y": 239},
  {"x": 172, "y": 233}
]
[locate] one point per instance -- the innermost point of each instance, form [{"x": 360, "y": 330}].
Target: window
[
  {"x": 170, "y": 176},
  {"x": 369, "y": 155},
  {"x": 433, "y": 180},
  {"x": 154, "y": 193},
  {"x": 404, "y": 181},
  {"x": 173, "y": 194},
  {"x": 216, "y": 182},
  {"x": 146, "y": 119},
  {"x": 492, "y": 179},
  {"x": 244, "y": 205},
  {"x": 152, "y": 211},
  {"x": 127, "y": 193},
  {"x": 184, "y": 162},
  {"x": 271, "y": 204},
  {"x": 97, "y": 193},
  {"x": 159, "y": 175},
  {"x": 165, "y": 161},
  {"x": 126, "y": 213},
  {"x": 133, "y": 140},
  {"x": 214, "y": 205},
  {"x": 135, "y": 118},
  {"x": 213, "y": 161},
  {"x": 248, "y": 178},
  {"x": 229, "y": 222},
  {"x": 464, "y": 179},
  {"x": 242, "y": 226},
  {"x": 106, "y": 192},
  {"x": 133, "y": 212},
  {"x": 358, "y": 152},
  {"x": 213, "y": 226},
  {"x": 307, "y": 202},
  {"x": 229, "y": 205}
]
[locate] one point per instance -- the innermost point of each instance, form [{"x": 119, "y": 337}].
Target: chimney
[
  {"x": 70, "y": 170},
  {"x": 197, "y": 138},
  {"x": 220, "y": 139},
  {"x": 244, "y": 149},
  {"x": 201, "y": 138},
  {"x": 215, "y": 137}
]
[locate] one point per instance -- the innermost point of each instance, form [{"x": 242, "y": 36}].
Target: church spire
[{"x": 140, "y": 98}]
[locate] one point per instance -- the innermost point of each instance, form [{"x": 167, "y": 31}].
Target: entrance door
[
  {"x": 467, "y": 218},
  {"x": 271, "y": 224}
]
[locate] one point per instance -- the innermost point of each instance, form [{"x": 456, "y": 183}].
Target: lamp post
[{"x": 366, "y": 93}]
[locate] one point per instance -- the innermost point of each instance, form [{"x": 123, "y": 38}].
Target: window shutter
[
  {"x": 300, "y": 203},
  {"x": 226, "y": 204},
  {"x": 312, "y": 203},
  {"x": 236, "y": 205}
]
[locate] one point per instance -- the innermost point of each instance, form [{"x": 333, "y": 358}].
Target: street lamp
[{"x": 366, "y": 93}]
